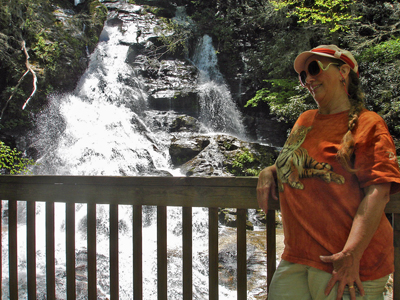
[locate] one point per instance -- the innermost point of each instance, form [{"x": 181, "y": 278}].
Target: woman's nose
[{"x": 309, "y": 79}]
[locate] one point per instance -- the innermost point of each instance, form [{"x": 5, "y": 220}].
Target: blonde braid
[{"x": 346, "y": 150}]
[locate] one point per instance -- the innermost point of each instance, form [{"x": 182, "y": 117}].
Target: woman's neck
[{"x": 335, "y": 106}]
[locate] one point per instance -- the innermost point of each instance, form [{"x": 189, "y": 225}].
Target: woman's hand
[
  {"x": 345, "y": 272},
  {"x": 346, "y": 263},
  {"x": 266, "y": 187}
]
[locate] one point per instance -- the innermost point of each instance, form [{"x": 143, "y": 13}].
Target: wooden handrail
[
  {"x": 157, "y": 191},
  {"x": 187, "y": 192}
]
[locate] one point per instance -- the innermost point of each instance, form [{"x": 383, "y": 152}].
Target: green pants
[{"x": 301, "y": 282}]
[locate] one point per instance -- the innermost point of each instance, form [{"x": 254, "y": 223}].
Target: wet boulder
[{"x": 183, "y": 150}]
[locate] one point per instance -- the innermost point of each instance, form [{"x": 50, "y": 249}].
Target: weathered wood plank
[
  {"x": 137, "y": 253},
  {"x": 162, "y": 253},
  {"x": 158, "y": 191},
  {"x": 114, "y": 261},
  {"x": 70, "y": 250},
  {"x": 12, "y": 249},
  {"x": 271, "y": 246},
  {"x": 31, "y": 248},
  {"x": 130, "y": 180},
  {"x": 213, "y": 252},
  {"x": 394, "y": 204},
  {"x": 91, "y": 251},
  {"x": 396, "y": 275},
  {"x": 1, "y": 247},
  {"x": 187, "y": 249},
  {"x": 241, "y": 255},
  {"x": 50, "y": 252}
]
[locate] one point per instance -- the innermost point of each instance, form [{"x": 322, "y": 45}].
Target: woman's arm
[
  {"x": 366, "y": 221},
  {"x": 266, "y": 187}
]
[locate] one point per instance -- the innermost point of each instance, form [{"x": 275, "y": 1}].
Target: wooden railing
[{"x": 186, "y": 192}]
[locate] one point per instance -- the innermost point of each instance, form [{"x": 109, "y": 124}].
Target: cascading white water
[
  {"x": 101, "y": 129},
  {"x": 218, "y": 112}
]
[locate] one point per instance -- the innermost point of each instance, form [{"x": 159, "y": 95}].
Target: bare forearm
[
  {"x": 367, "y": 219},
  {"x": 266, "y": 187}
]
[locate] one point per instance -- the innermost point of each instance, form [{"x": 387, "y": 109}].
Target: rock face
[
  {"x": 171, "y": 84},
  {"x": 59, "y": 38},
  {"x": 219, "y": 155}
]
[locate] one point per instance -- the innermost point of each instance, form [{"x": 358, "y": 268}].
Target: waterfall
[
  {"x": 104, "y": 127},
  {"x": 218, "y": 112},
  {"x": 101, "y": 128}
]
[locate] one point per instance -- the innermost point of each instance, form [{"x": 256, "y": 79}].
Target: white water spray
[
  {"x": 218, "y": 110},
  {"x": 101, "y": 129}
]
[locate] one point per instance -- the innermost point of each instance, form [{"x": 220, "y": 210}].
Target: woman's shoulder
[{"x": 370, "y": 120}]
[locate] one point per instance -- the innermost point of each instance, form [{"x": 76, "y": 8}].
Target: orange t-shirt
[{"x": 319, "y": 198}]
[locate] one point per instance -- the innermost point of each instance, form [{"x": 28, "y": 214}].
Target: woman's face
[{"x": 327, "y": 85}]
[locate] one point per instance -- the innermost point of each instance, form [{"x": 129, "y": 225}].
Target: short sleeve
[{"x": 375, "y": 158}]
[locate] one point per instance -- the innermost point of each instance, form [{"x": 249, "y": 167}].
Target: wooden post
[
  {"x": 1, "y": 249},
  {"x": 137, "y": 253},
  {"x": 213, "y": 252},
  {"x": 91, "y": 251},
  {"x": 187, "y": 253},
  {"x": 13, "y": 248},
  {"x": 114, "y": 262},
  {"x": 70, "y": 250},
  {"x": 396, "y": 276},
  {"x": 50, "y": 256},
  {"x": 31, "y": 248},
  {"x": 241, "y": 255},
  {"x": 271, "y": 246},
  {"x": 162, "y": 252}
]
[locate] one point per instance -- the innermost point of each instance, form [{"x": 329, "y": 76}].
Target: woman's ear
[{"x": 345, "y": 70}]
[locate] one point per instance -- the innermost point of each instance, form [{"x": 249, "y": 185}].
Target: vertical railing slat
[
  {"x": 396, "y": 275},
  {"x": 31, "y": 248},
  {"x": 114, "y": 262},
  {"x": 271, "y": 246},
  {"x": 213, "y": 252},
  {"x": 187, "y": 246},
  {"x": 91, "y": 251},
  {"x": 241, "y": 255},
  {"x": 70, "y": 250},
  {"x": 1, "y": 249},
  {"x": 50, "y": 256},
  {"x": 137, "y": 253},
  {"x": 162, "y": 252},
  {"x": 12, "y": 249}
]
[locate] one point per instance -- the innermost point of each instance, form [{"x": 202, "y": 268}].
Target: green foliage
[
  {"x": 384, "y": 52},
  {"x": 333, "y": 13},
  {"x": 47, "y": 51},
  {"x": 243, "y": 164},
  {"x": 247, "y": 162},
  {"x": 52, "y": 31},
  {"x": 286, "y": 99},
  {"x": 12, "y": 162},
  {"x": 174, "y": 35},
  {"x": 381, "y": 61}
]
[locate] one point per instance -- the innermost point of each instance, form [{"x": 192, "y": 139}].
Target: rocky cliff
[{"x": 60, "y": 37}]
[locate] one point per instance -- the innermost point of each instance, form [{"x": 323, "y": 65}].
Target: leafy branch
[
  {"x": 12, "y": 162},
  {"x": 285, "y": 98},
  {"x": 174, "y": 35},
  {"x": 333, "y": 13}
]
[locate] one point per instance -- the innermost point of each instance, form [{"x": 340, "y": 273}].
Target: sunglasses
[{"x": 314, "y": 68}]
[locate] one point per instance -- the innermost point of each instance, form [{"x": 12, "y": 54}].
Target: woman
[{"x": 335, "y": 175}]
